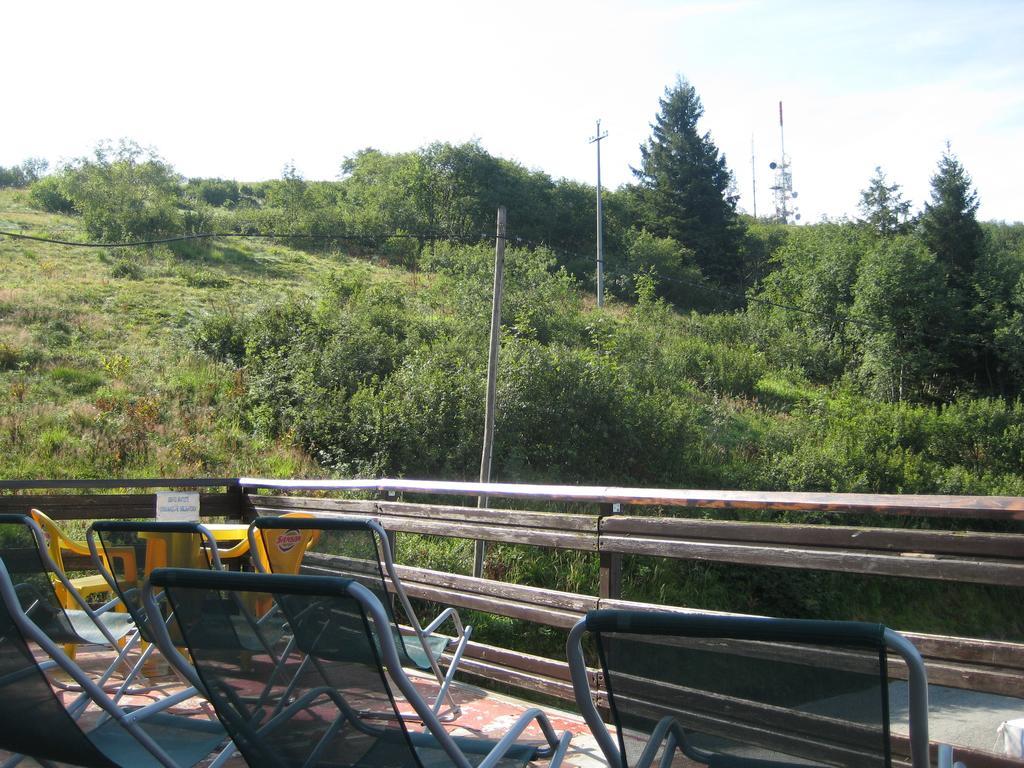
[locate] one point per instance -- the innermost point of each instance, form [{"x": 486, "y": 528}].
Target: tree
[
  {"x": 949, "y": 226},
  {"x": 883, "y": 207},
  {"x": 125, "y": 193},
  {"x": 950, "y": 229},
  {"x": 31, "y": 170},
  {"x": 804, "y": 302},
  {"x": 684, "y": 185},
  {"x": 903, "y": 311}
]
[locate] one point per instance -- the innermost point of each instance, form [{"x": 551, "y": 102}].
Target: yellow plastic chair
[
  {"x": 281, "y": 551},
  {"x": 57, "y": 544}
]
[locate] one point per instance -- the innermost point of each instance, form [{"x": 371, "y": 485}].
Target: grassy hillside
[
  {"x": 247, "y": 357},
  {"x": 97, "y": 375}
]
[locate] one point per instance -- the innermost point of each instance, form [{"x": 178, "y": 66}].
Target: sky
[{"x": 238, "y": 90}]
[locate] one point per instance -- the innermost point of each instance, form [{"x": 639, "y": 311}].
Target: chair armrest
[
  {"x": 238, "y": 550},
  {"x": 447, "y": 613},
  {"x": 557, "y": 745}
]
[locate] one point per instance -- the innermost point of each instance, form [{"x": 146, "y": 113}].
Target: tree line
[{"x": 918, "y": 308}]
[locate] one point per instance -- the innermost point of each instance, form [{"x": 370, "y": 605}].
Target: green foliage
[
  {"x": 48, "y": 194},
  {"x": 672, "y": 266},
  {"x": 815, "y": 274},
  {"x": 539, "y": 300},
  {"x": 220, "y": 335},
  {"x": 28, "y": 172},
  {"x": 883, "y": 207},
  {"x": 949, "y": 226},
  {"x": 124, "y": 193},
  {"x": 220, "y": 193},
  {"x": 127, "y": 268},
  {"x": 761, "y": 239},
  {"x": 903, "y": 309},
  {"x": 684, "y": 186}
]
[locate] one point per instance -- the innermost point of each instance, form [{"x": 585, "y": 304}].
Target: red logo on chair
[{"x": 289, "y": 540}]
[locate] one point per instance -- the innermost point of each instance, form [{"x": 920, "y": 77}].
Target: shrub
[
  {"x": 124, "y": 193},
  {"x": 127, "y": 269},
  {"x": 221, "y": 335},
  {"x": 48, "y": 193}
]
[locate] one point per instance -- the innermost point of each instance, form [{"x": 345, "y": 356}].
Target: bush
[
  {"x": 124, "y": 193},
  {"x": 127, "y": 269},
  {"x": 48, "y": 194},
  {"x": 220, "y": 335}
]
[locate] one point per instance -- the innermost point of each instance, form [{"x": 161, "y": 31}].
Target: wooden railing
[{"x": 609, "y": 532}]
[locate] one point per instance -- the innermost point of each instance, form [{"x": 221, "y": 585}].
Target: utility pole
[
  {"x": 600, "y": 238},
  {"x": 753, "y": 173},
  {"x": 479, "y": 546}
]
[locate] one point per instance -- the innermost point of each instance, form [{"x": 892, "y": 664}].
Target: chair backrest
[
  {"x": 299, "y": 704},
  {"x": 24, "y": 551},
  {"x": 353, "y": 547},
  {"x": 151, "y": 544},
  {"x": 56, "y": 540},
  {"x": 736, "y": 690},
  {"x": 32, "y": 720},
  {"x": 280, "y": 549}
]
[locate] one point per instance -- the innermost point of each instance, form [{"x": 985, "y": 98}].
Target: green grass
[{"x": 96, "y": 377}]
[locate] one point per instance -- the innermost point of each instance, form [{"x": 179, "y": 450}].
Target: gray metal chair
[
  {"x": 70, "y": 621},
  {"x": 157, "y": 544},
  {"x": 304, "y": 705},
  {"x": 358, "y": 547},
  {"x": 745, "y": 692},
  {"x": 34, "y": 722}
]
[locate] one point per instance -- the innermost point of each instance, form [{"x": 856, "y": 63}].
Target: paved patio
[{"x": 484, "y": 713}]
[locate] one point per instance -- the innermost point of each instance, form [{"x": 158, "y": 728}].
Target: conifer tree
[
  {"x": 950, "y": 230},
  {"x": 949, "y": 226},
  {"x": 684, "y": 183},
  {"x": 883, "y": 207}
]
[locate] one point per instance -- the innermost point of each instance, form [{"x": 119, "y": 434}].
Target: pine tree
[
  {"x": 684, "y": 184},
  {"x": 883, "y": 207},
  {"x": 950, "y": 230},
  {"x": 949, "y": 226}
]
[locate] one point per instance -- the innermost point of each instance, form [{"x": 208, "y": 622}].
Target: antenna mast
[
  {"x": 783, "y": 186},
  {"x": 753, "y": 174}
]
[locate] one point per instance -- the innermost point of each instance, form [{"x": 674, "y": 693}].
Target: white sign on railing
[{"x": 177, "y": 507}]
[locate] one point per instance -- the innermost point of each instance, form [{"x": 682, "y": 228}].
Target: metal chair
[
  {"x": 58, "y": 544},
  {"x": 51, "y": 599},
  {"x": 745, "y": 692},
  {"x": 358, "y": 547},
  {"x": 33, "y": 720},
  {"x": 337, "y": 657}
]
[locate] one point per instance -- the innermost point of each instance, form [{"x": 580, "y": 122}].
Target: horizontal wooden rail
[
  {"x": 144, "y": 482},
  {"x": 944, "y": 555},
  {"x": 113, "y": 506},
  {"x": 542, "y": 529},
  {"x": 981, "y": 507}
]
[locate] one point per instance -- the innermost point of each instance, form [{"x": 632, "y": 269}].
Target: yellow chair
[
  {"x": 57, "y": 544},
  {"x": 281, "y": 551}
]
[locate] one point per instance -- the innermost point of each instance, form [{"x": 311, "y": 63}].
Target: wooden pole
[{"x": 479, "y": 547}]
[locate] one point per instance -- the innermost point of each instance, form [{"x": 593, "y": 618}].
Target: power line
[
  {"x": 370, "y": 238},
  {"x": 465, "y": 239}
]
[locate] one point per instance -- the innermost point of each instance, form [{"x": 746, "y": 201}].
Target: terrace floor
[
  {"x": 484, "y": 713},
  {"x": 956, "y": 717}
]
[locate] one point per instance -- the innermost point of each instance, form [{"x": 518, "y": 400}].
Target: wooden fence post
[{"x": 611, "y": 562}]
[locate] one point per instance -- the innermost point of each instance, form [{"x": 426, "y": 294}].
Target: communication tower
[{"x": 786, "y": 211}]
